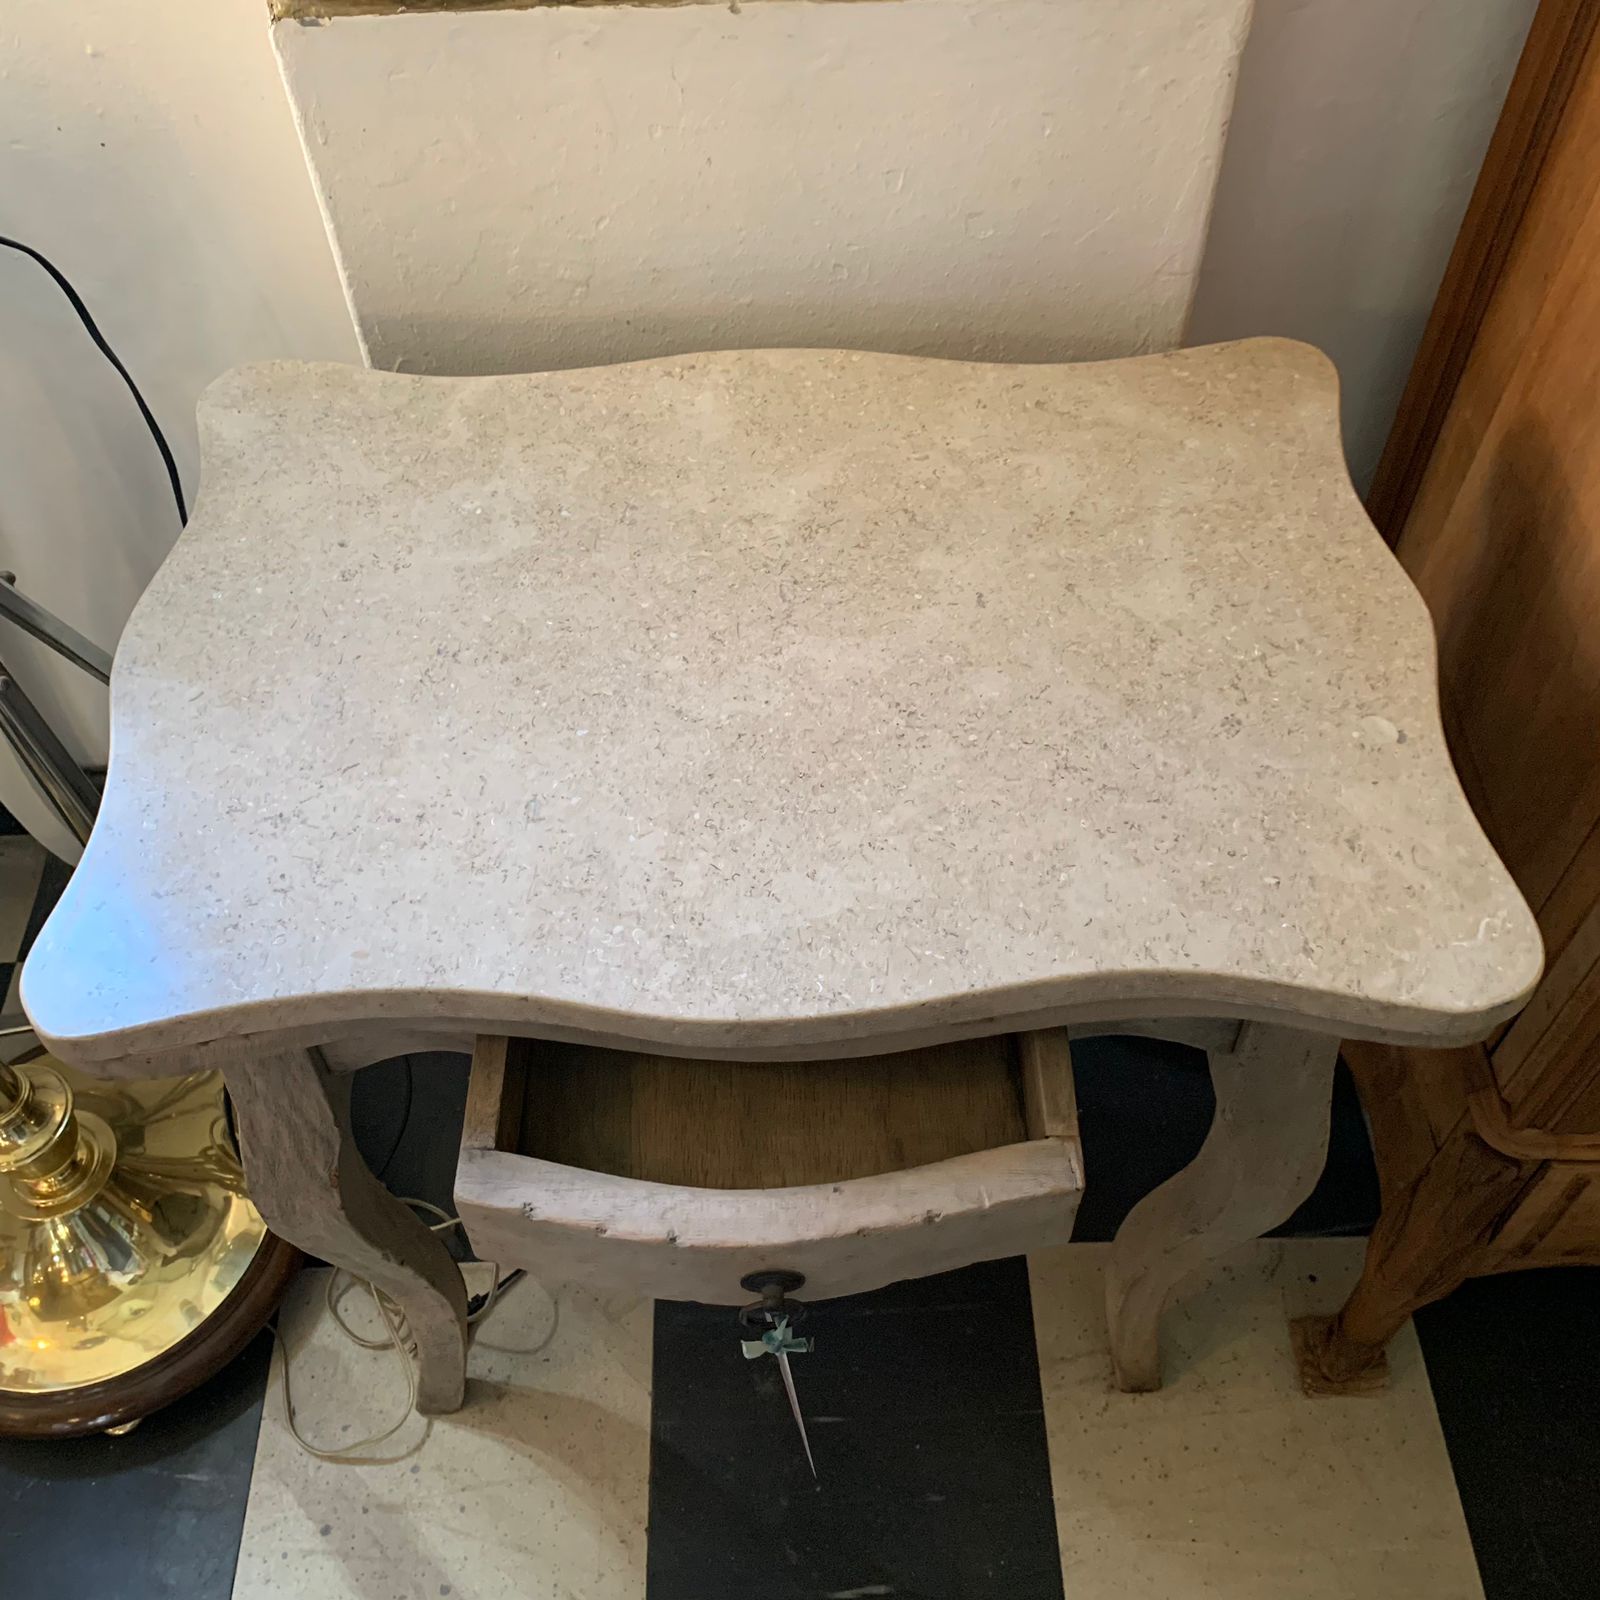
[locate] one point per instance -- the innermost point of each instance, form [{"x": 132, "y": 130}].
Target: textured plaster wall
[{"x": 1013, "y": 179}]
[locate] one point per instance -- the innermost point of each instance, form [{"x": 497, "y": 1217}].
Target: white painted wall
[
  {"x": 149, "y": 151},
  {"x": 1021, "y": 179},
  {"x": 1357, "y": 135},
  {"x": 1013, "y": 179}
]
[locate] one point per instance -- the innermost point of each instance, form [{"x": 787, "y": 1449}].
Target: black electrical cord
[{"x": 111, "y": 355}]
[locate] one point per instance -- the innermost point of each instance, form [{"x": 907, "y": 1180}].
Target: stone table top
[{"x": 778, "y": 701}]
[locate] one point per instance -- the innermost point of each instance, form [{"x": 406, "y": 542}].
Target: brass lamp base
[{"x": 132, "y": 1263}]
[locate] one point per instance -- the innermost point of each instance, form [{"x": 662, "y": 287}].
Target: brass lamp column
[{"x": 132, "y": 1264}]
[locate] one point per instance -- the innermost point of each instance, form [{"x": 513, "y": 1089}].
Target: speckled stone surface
[{"x": 772, "y": 698}]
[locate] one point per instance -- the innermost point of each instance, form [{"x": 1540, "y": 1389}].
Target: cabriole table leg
[
  {"x": 1265, "y": 1151},
  {"x": 310, "y": 1183}
]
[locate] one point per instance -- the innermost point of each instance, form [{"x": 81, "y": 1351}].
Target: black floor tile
[
  {"x": 1516, "y": 1377},
  {"x": 154, "y": 1515},
  {"x": 925, "y": 1415}
]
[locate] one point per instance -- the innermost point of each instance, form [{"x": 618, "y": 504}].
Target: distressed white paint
[
  {"x": 151, "y": 155},
  {"x": 1003, "y": 179},
  {"x": 1357, "y": 135}
]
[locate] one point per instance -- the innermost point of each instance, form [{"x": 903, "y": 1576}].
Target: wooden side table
[{"x": 766, "y": 707}]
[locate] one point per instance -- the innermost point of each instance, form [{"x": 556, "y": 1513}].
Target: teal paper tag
[{"x": 774, "y": 1342}]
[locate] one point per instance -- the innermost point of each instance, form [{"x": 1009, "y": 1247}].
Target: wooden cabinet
[
  {"x": 1500, "y": 530},
  {"x": 1490, "y": 493}
]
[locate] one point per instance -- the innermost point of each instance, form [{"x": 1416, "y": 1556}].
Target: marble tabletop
[{"x": 768, "y": 700}]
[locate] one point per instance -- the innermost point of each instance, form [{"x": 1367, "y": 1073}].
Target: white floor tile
[
  {"x": 1226, "y": 1485},
  {"x": 1229, "y": 1484},
  {"x": 537, "y": 1489}
]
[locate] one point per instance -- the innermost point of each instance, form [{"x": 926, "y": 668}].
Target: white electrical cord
[{"x": 394, "y": 1321}]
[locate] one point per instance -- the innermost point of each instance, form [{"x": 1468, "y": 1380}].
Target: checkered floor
[{"x": 968, "y": 1441}]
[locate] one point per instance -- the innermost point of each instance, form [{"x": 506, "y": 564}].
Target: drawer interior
[{"x": 744, "y": 1125}]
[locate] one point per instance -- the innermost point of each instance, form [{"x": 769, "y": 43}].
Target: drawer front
[
  {"x": 674, "y": 1243},
  {"x": 852, "y": 1233}
]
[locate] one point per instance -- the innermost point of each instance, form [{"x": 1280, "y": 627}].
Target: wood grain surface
[
  {"x": 739, "y": 1125},
  {"x": 1502, "y": 537}
]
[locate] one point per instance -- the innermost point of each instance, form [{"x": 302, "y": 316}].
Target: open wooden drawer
[{"x": 677, "y": 1178}]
